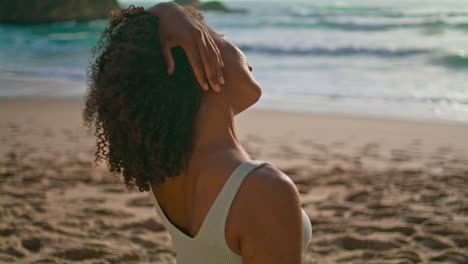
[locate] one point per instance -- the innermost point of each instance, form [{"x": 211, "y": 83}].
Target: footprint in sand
[
  {"x": 32, "y": 244},
  {"x": 77, "y": 254},
  {"x": 107, "y": 212},
  {"x": 431, "y": 242},
  {"x": 140, "y": 202},
  {"x": 410, "y": 256},
  {"x": 14, "y": 251},
  {"x": 358, "y": 197},
  {"x": 148, "y": 224},
  {"x": 368, "y": 230},
  {"x": 461, "y": 241},
  {"x": 452, "y": 257},
  {"x": 144, "y": 243},
  {"x": 354, "y": 243}
]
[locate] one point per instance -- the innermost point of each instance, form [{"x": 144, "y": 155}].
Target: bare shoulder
[
  {"x": 272, "y": 218},
  {"x": 272, "y": 182},
  {"x": 267, "y": 185}
]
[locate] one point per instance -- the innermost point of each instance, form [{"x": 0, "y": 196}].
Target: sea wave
[
  {"x": 374, "y": 26},
  {"x": 453, "y": 60},
  {"x": 370, "y": 18},
  {"x": 48, "y": 72},
  {"x": 346, "y": 23},
  {"x": 398, "y": 99},
  {"x": 369, "y": 11},
  {"x": 462, "y": 26},
  {"x": 329, "y": 51}
]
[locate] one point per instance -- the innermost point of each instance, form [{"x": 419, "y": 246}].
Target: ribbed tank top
[{"x": 209, "y": 245}]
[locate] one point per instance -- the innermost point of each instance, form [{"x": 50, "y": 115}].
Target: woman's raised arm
[{"x": 179, "y": 28}]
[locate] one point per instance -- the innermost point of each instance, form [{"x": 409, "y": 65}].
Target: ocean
[{"x": 401, "y": 58}]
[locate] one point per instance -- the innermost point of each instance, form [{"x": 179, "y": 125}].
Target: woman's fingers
[
  {"x": 197, "y": 66},
  {"x": 208, "y": 57},
  {"x": 218, "y": 62},
  {"x": 180, "y": 28},
  {"x": 169, "y": 60}
]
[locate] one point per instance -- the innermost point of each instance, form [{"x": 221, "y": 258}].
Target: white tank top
[{"x": 209, "y": 245}]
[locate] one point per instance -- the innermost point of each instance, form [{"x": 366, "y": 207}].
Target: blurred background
[{"x": 401, "y": 58}]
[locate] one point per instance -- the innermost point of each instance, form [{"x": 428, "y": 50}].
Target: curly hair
[{"x": 143, "y": 118}]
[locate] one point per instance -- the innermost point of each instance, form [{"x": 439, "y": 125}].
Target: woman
[{"x": 167, "y": 136}]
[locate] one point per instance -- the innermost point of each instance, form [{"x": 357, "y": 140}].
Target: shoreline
[
  {"x": 52, "y": 89},
  {"x": 255, "y": 108},
  {"x": 398, "y": 111}
]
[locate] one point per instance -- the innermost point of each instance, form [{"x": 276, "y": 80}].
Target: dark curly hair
[{"x": 142, "y": 117}]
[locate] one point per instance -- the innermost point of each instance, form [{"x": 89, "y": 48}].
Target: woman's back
[
  {"x": 218, "y": 224},
  {"x": 187, "y": 198}
]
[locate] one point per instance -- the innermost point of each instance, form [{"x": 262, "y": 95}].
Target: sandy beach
[{"x": 376, "y": 190}]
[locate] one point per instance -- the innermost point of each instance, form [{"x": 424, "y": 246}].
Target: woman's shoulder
[
  {"x": 268, "y": 179},
  {"x": 269, "y": 191},
  {"x": 271, "y": 215}
]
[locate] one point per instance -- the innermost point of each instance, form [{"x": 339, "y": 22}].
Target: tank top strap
[{"x": 217, "y": 216}]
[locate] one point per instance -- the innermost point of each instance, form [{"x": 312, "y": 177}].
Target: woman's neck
[{"x": 215, "y": 132}]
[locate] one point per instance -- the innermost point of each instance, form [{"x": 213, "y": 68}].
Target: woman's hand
[{"x": 179, "y": 28}]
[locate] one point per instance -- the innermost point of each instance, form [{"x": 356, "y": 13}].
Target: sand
[{"x": 376, "y": 190}]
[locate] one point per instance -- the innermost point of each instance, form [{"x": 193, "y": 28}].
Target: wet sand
[{"x": 376, "y": 190}]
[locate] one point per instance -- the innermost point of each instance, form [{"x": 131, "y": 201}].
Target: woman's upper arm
[{"x": 273, "y": 233}]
